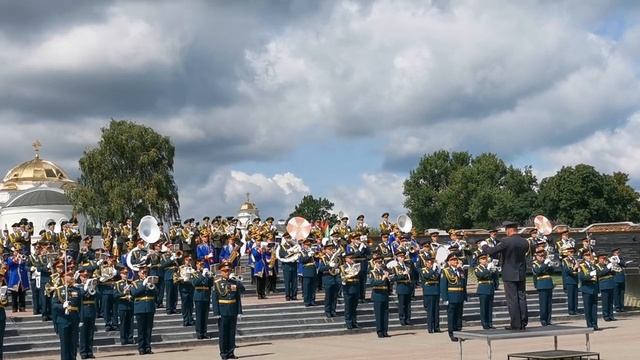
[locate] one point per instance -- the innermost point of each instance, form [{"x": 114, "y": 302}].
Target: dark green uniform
[
  {"x": 124, "y": 304},
  {"x": 430, "y": 281},
  {"x": 589, "y": 289},
  {"x": 543, "y": 282},
  {"x": 404, "y": 287},
  {"x": 570, "y": 283},
  {"x": 308, "y": 278},
  {"x": 186, "y": 299},
  {"x": 201, "y": 297},
  {"x": 380, "y": 298},
  {"x": 226, "y": 305},
  {"x": 330, "y": 284},
  {"x": 144, "y": 307},
  {"x": 350, "y": 292},
  {"x": 453, "y": 290},
  {"x": 170, "y": 266},
  {"x": 485, "y": 291},
  {"x": 88, "y": 313},
  {"x": 68, "y": 320},
  {"x": 606, "y": 284}
]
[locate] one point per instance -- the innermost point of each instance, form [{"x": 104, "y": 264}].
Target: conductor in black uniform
[{"x": 513, "y": 249}]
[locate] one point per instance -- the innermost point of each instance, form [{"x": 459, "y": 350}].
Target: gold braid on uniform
[
  {"x": 451, "y": 278},
  {"x": 218, "y": 288}
]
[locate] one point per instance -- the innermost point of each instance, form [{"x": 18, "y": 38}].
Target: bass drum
[{"x": 441, "y": 254}]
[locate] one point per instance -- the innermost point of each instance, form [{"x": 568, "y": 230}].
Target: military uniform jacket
[
  {"x": 169, "y": 266},
  {"x": 402, "y": 277},
  {"x": 88, "y": 264},
  {"x": 123, "y": 299},
  {"x": 308, "y": 264},
  {"x": 569, "y": 275},
  {"x": 88, "y": 308},
  {"x": 144, "y": 299},
  {"x": 453, "y": 287},
  {"x": 329, "y": 274},
  {"x": 385, "y": 251},
  {"x": 485, "y": 280},
  {"x": 379, "y": 287},
  {"x": 202, "y": 286},
  {"x": 542, "y": 272},
  {"x": 513, "y": 251},
  {"x": 618, "y": 276},
  {"x": 224, "y": 300},
  {"x": 588, "y": 282},
  {"x": 430, "y": 280},
  {"x": 74, "y": 296},
  {"x": 605, "y": 277}
]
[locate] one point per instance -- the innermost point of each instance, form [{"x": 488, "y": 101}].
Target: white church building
[{"x": 35, "y": 190}]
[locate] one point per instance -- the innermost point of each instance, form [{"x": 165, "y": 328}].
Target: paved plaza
[{"x": 618, "y": 340}]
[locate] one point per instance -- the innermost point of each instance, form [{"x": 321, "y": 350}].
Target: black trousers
[
  {"x": 202, "y": 315},
  {"x": 272, "y": 282},
  {"x": 109, "y": 310},
  {"x": 144, "y": 324},
  {"x": 35, "y": 298},
  {"x": 289, "y": 273},
  {"x": 261, "y": 286},
  {"x": 18, "y": 299},
  {"x": 590, "y": 302},
  {"x": 186, "y": 299},
  {"x": 45, "y": 303},
  {"x": 330, "y": 299},
  {"x": 160, "y": 285},
  {"x": 404, "y": 308},
  {"x": 433, "y": 313},
  {"x": 350, "y": 307},
  {"x": 545, "y": 296},
  {"x": 381, "y": 312},
  {"x": 486, "y": 310},
  {"x": 87, "y": 330},
  {"x": 618, "y": 296},
  {"x": 68, "y": 334},
  {"x": 607, "y": 303},
  {"x": 572, "y": 298},
  {"x": 126, "y": 326},
  {"x": 516, "y": 303},
  {"x": 172, "y": 295},
  {"x": 308, "y": 290},
  {"x": 454, "y": 317},
  {"x": 227, "y": 335}
]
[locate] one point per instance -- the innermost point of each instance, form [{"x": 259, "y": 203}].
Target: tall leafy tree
[
  {"x": 311, "y": 208},
  {"x": 129, "y": 173},
  {"x": 460, "y": 191},
  {"x": 580, "y": 195}
]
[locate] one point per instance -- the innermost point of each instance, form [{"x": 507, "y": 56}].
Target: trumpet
[{"x": 150, "y": 282}]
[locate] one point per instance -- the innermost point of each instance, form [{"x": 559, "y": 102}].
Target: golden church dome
[
  {"x": 248, "y": 205},
  {"x": 35, "y": 170}
]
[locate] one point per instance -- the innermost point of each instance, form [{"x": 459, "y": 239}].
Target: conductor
[{"x": 513, "y": 249}]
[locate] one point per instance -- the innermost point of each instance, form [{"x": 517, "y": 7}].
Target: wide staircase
[{"x": 28, "y": 336}]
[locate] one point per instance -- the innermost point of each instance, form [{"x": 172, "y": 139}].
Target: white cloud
[
  {"x": 376, "y": 193},
  {"x": 225, "y": 190},
  {"x": 608, "y": 150}
]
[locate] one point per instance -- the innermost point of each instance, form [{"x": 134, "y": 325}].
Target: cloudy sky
[{"x": 333, "y": 98}]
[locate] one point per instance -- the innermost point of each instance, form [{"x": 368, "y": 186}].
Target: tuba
[{"x": 404, "y": 223}]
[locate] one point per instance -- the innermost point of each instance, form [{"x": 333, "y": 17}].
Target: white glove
[
  {"x": 216, "y": 317},
  {"x": 434, "y": 267},
  {"x": 593, "y": 273},
  {"x": 144, "y": 282},
  {"x": 609, "y": 266},
  {"x": 490, "y": 266},
  {"x": 482, "y": 244},
  {"x": 86, "y": 287},
  {"x": 65, "y": 304},
  {"x": 446, "y": 302},
  {"x": 100, "y": 262},
  {"x": 332, "y": 264},
  {"x": 33, "y": 269},
  {"x": 173, "y": 257},
  {"x": 547, "y": 261},
  {"x": 465, "y": 267}
]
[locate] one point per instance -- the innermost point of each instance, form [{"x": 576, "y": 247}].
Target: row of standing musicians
[{"x": 338, "y": 278}]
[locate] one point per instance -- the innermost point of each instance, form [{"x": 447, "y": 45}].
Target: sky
[{"x": 338, "y": 99}]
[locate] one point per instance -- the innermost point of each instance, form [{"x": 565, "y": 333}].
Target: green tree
[
  {"x": 580, "y": 195},
  {"x": 311, "y": 208},
  {"x": 129, "y": 173},
  {"x": 460, "y": 191}
]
